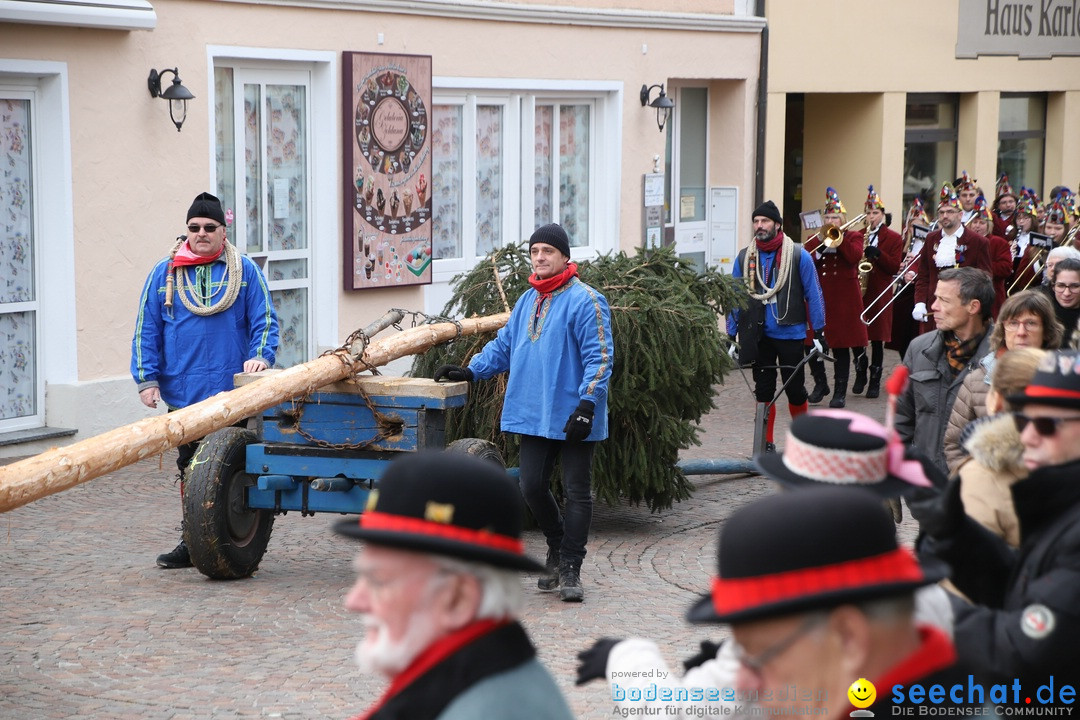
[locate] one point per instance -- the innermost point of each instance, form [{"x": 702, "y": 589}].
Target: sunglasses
[
  {"x": 1045, "y": 426},
  {"x": 207, "y": 228}
]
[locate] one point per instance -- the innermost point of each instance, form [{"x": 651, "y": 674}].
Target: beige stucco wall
[{"x": 134, "y": 175}]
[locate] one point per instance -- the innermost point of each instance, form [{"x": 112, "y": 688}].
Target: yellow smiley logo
[{"x": 862, "y": 693}]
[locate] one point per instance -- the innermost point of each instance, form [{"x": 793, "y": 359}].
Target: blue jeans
[{"x": 568, "y": 533}]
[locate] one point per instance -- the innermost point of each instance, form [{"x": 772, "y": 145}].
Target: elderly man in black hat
[
  {"x": 1025, "y": 620},
  {"x": 205, "y": 314},
  {"x": 438, "y": 585},
  {"x": 785, "y": 297}
]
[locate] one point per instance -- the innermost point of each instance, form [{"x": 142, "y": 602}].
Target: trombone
[
  {"x": 831, "y": 236},
  {"x": 890, "y": 288}
]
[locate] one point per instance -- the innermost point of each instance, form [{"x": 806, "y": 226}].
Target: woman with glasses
[
  {"x": 1065, "y": 282},
  {"x": 1026, "y": 320}
]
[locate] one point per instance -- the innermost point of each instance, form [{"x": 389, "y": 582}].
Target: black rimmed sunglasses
[
  {"x": 1045, "y": 426},
  {"x": 208, "y": 228}
]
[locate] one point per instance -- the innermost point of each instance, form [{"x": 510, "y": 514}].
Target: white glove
[
  {"x": 733, "y": 352},
  {"x": 818, "y": 347},
  {"x": 919, "y": 313}
]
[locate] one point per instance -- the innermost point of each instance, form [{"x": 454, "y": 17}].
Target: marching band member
[
  {"x": 967, "y": 190},
  {"x": 1056, "y": 224},
  {"x": 1025, "y": 256},
  {"x": 947, "y": 246},
  {"x": 904, "y": 327},
  {"x": 1001, "y": 260},
  {"x": 1004, "y": 209},
  {"x": 882, "y": 248},
  {"x": 838, "y": 270}
]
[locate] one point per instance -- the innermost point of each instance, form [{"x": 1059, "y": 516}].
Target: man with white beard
[{"x": 438, "y": 586}]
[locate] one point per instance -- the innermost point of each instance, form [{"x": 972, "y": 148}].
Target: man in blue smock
[
  {"x": 559, "y": 351},
  {"x": 784, "y": 297},
  {"x": 205, "y": 314}
]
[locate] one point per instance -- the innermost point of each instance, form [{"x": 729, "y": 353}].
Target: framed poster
[{"x": 387, "y": 102}]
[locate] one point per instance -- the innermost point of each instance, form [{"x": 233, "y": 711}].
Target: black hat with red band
[
  {"x": 808, "y": 549},
  {"x": 446, "y": 503},
  {"x": 1056, "y": 382}
]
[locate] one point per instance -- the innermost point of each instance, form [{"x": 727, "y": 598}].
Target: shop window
[
  {"x": 930, "y": 141},
  {"x": 1022, "y": 138}
]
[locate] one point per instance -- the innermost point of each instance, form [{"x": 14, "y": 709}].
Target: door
[{"x": 689, "y": 171}]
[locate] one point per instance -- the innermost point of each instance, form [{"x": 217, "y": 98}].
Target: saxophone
[{"x": 865, "y": 266}]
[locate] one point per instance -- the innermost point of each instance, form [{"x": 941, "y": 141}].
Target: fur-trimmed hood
[{"x": 994, "y": 443}]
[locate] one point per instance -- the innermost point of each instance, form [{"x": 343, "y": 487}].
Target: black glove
[
  {"x": 946, "y": 514},
  {"x": 708, "y": 652},
  {"x": 579, "y": 424},
  {"x": 872, "y": 252},
  {"x": 453, "y": 373},
  {"x": 593, "y": 665},
  {"x": 819, "y": 342}
]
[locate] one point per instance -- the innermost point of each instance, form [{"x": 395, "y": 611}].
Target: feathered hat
[
  {"x": 873, "y": 200},
  {"x": 1028, "y": 204},
  {"x": 982, "y": 208},
  {"x": 948, "y": 198},
  {"x": 1056, "y": 212},
  {"x": 832, "y": 202},
  {"x": 965, "y": 182},
  {"x": 1004, "y": 188},
  {"x": 917, "y": 212}
]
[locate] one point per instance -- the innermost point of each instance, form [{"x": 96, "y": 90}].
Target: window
[
  {"x": 505, "y": 163},
  {"x": 1022, "y": 138},
  {"x": 262, "y": 156},
  {"x": 22, "y": 402},
  {"x": 929, "y": 147}
]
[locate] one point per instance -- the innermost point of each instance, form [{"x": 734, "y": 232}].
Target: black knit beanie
[
  {"x": 206, "y": 206},
  {"x": 768, "y": 209},
  {"x": 553, "y": 235}
]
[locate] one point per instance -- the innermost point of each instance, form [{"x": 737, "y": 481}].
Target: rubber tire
[
  {"x": 483, "y": 449},
  {"x": 226, "y": 540}
]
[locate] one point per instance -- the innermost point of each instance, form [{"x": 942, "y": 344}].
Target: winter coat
[
  {"x": 192, "y": 357},
  {"x": 881, "y": 278},
  {"x": 922, "y": 410},
  {"x": 1026, "y": 623},
  {"x": 1001, "y": 269},
  {"x": 838, "y": 271},
  {"x": 987, "y": 476},
  {"x": 559, "y": 351},
  {"x": 970, "y": 404}
]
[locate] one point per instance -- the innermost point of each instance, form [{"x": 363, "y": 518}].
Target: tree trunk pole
[{"x": 61, "y": 468}]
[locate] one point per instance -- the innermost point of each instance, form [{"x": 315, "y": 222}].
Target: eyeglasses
[
  {"x": 1045, "y": 426},
  {"x": 1029, "y": 325},
  {"x": 207, "y": 228},
  {"x": 757, "y": 664},
  {"x": 1071, "y": 287}
]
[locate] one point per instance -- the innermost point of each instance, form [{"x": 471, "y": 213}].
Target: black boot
[
  {"x": 550, "y": 579},
  {"x": 873, "y": 389},
  {"x": 860, "y": 375},
  {"x": 839, "y": 397},
  {"x": 178, "y": 558},
  {"x": 570, "y": 580},
  {"x": 821, "y": 382}
]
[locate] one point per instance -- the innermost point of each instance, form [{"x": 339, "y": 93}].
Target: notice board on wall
[{"x": 387, "y": 102}]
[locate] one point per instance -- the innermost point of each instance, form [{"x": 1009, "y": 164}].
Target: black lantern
[
  {"x": 176, "y": 94},
  {"x": 662, "y": 103}
]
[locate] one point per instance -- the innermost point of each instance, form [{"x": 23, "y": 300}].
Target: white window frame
[
  {"x": 324, "y": 131},
  {"x": 520, "y": 96}
]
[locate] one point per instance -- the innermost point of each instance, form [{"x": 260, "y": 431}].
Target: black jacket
[{"x": 1027, "y": 620}]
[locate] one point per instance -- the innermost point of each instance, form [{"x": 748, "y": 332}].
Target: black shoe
[
  {"x": 821, "y": 389},
  {"x": 570, "y": 580},
  {"x": 770, "y": 447},
  {"x": 860, "y": 375},
  {"x": 550, "y": 580},
  {"x": 178, "y": 558},
  {"x": 873, "y": 389},
  {"x": 897, "y": 510},
  {"x": 839, "y": 398}
]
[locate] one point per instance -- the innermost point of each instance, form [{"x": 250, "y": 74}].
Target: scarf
[
  {"x": 959, "y": 353},
  {"x": 184, "y": 256},
  {"x": 547, "y": 286}
]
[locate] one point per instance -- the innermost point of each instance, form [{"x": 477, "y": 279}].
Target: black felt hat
[
  {"x": 769, "y": 210},
  {"x": 554, "y": 235},
  {"x": 840, "y": 447},
  {"x": 808, "y": 549},
  {"x": 207, "y": 206},
  {"x": 1056, "y": 382},
  {"x": 449, "y": 504}
]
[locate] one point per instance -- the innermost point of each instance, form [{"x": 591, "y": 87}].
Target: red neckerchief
[
  {"x": 553, "y": 283},
  {"x": 184, "y": 256},
  {"x": 432, "y": 656},
  {"x": 773, "y": 245},
  {"x": 935, "y": 652}
]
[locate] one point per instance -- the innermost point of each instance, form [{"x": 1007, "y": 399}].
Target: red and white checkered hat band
[{"x": 839, "y": 467}]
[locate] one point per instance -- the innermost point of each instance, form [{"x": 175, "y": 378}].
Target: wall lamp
[
  {"x": 176, "y": 94},
  {"x": 662, "y": 103}
]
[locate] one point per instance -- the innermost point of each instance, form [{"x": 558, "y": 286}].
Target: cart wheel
[
  {"x": 480, "y": 448},
  {"x": 225, "y": 538}
]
